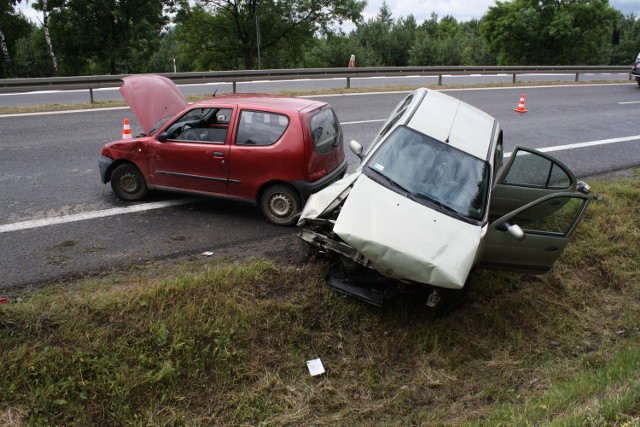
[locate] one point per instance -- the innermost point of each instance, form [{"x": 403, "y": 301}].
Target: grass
[
  {"x": 334, "y": 91},
  {"x": 226, "y": 343}
]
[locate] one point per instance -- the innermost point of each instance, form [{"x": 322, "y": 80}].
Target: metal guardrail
[{"x": 95, "y": 82}]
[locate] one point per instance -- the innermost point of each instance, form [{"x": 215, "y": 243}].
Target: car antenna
[{"x": 454, "y": 118}]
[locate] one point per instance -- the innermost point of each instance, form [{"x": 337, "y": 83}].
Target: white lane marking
[
  {"x": 585, "y": 144},
  {"x": 46, "y": 113},
  {"x": 628, "y": 102},
  {"x": 36, "y": 223}
]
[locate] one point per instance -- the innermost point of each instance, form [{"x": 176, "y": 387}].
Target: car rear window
[
  {"x": 260, "y": 128},
  {"x": 325, "y": 131}
]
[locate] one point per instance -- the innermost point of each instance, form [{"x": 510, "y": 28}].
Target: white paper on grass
[{"x": 315, "y": 367}]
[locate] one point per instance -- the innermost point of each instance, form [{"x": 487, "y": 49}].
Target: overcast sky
[{"x": 462, "y": 10}]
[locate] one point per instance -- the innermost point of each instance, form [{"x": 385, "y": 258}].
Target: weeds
[{"x": 226, "y": 344}]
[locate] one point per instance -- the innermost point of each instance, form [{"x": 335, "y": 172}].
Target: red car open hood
[{"x": 151, "y": 98}]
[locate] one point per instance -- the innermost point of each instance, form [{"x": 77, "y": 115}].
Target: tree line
[{"x": 93, "y": 37}]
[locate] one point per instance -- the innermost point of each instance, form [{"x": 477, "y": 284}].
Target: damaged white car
[{"x": 426, "y": 204}]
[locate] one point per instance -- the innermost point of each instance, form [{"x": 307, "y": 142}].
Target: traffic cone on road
[
  {"x": 126, "y": 131},
  {"x": 521, "y": 108}
]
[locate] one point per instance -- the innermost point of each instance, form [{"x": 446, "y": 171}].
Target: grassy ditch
[{"x": 221, "y": 343}]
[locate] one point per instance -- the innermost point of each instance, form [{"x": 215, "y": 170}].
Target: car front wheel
[
  {"x": 280, "y": 204},
  {"x": 128, "y": 183}
]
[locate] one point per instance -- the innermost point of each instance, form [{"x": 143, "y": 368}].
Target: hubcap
[
  {"x": 280, "y": 205},
  {"x": 129, "y": 183}
]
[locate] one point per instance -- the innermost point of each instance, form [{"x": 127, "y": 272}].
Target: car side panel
[
  {"x": 252, "y": 166},
  {"x": 191, "y": 166}
]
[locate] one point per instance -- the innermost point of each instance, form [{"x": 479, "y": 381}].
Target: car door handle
[{"x": 218, "y": 154}]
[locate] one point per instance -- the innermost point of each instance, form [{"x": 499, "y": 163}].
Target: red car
[{"x": 270, "y": 150}]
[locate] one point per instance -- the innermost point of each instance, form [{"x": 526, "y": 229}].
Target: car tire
[
  {"x": 280, "y": 204},
  {"x": 128, "y": 183}
]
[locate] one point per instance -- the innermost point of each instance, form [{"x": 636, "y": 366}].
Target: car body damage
[{"x": 426, "y": 205}]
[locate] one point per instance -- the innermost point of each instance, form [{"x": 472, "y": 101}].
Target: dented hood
[
  {"x": 151, "y": 98},
  {"x": 406, "y": 240}
]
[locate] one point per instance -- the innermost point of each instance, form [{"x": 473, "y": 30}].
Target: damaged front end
[{"x": 352, "y": 272}]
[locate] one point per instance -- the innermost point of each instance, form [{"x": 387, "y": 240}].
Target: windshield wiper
[
  {"x": 391, "y": 181},
  {"x": 441, "y": 205}
]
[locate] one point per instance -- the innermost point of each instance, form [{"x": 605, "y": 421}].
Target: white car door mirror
[
  {"x": 515, "y": 231},
  {"x": 356, "y": 147}
]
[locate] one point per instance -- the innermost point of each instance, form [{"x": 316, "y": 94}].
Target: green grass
[{"x": 226, "y": 343}]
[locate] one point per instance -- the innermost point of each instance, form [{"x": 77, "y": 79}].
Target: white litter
[{"x": 315, "y": 367}]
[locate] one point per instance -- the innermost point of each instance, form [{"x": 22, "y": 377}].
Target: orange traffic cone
[
  {"x": 126, "y": 131},
  {"x": 521, "y": 108}
]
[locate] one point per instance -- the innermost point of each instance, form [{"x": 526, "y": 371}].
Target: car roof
[
  {"x": 259, "y": 100},
  {"x": 450, "y": 120}
]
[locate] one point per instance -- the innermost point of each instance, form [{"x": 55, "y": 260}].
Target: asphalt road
[
  {"x": 48, "y": 174},
  {"x": 111, "y": 94}
]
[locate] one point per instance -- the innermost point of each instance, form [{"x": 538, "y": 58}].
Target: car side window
[
  {"x": 208, "y": 125},
  {"x": 260, "y": 128},
  {"x": 530, "y": 170},
  {"x": 553, "y": 216}
]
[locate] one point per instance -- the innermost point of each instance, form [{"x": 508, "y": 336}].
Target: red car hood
[{"x": 151, "y": 98}]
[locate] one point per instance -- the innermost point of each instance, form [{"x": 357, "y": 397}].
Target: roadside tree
[{"x": 549, "y": 32}]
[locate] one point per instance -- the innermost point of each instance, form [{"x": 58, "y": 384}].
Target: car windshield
[
  {"x": 158, "y": 124},
  {"x": 432, "y": 173}
]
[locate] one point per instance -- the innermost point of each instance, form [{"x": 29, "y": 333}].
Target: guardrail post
[
  {"x": 234, "y": 86},
  {"x": 91, "y": 95},
  {"x": 577, "y": 77},
  {"x": 348, "y": 82},
  {"x": 513, "y": 80},
  {"x": 439, "y": 79}
]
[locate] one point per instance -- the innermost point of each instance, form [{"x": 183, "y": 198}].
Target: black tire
[
  {"x": 280, "y": 204},
  {"x": 638, "y": 81},
  {"x": 128, "y": 183}
]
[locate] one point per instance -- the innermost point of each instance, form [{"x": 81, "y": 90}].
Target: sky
[{"x": 462, "y": 10}]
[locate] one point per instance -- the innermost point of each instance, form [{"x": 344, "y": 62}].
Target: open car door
[
  {"x": 531, "y": 238},
  {"x": 528, "y": 176}
]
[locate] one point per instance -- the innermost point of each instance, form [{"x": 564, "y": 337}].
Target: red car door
[{"x": 192, "y": 154}]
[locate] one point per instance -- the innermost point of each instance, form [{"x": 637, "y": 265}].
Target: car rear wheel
[
  {"x": 128, "y": 183},
  {"x": 280, "y": 204}
]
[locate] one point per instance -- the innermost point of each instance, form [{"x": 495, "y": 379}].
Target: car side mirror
[
  {"x": 516, "y": 231},
  {"x": 356, "y": 147},
  {"x": 513, "y": 229},
  {"x": 163, "y": 137},
  {"x": 583, "y": 187}
]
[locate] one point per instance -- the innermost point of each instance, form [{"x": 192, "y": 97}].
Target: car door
[
  {"x": 528, "y": 175},
  {"x": 193, "y": 154},
  {"x": 545, "y": 225}
]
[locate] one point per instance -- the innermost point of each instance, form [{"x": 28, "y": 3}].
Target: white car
[{"x": 426, "y": 204}]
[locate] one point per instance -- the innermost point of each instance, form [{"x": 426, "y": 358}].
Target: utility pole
[{"x": 258, "y": 39}]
